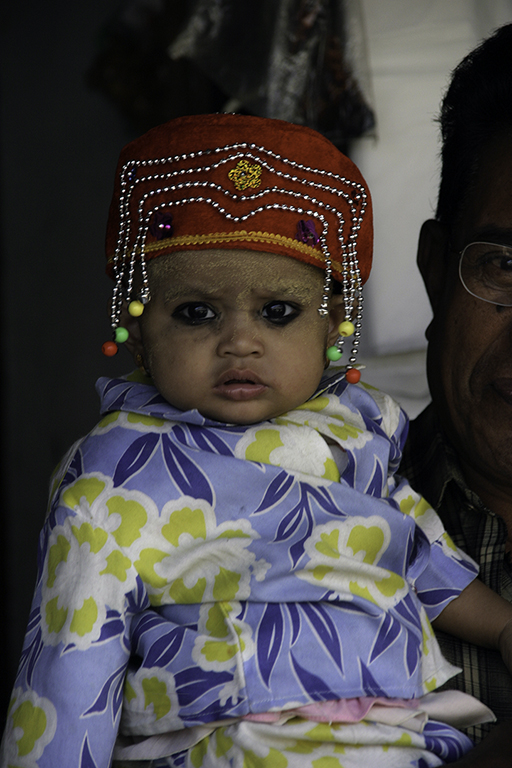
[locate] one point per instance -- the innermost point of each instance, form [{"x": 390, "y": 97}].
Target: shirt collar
[{"x": 439, "y": 466}]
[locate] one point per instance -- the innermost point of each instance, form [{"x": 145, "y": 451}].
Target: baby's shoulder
[{"x": 377, "y": 409}]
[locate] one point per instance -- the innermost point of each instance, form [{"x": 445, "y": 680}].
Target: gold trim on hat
[{"x": 242, "y": 235}]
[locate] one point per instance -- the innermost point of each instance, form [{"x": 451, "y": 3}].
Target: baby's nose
[{"x": 240, "y": 336}]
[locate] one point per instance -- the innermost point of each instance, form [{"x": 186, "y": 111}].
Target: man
[{"x": 459, "y": 452}]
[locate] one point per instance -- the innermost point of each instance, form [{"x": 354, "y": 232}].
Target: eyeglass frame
[{"x": 461, "y": 256}]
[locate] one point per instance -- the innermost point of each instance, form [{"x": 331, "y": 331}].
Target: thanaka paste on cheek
[{"x": 280, "y": 365}]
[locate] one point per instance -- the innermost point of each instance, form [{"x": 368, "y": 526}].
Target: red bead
[
  {"x": 352, "y": 375},
  {"x": 109, "y": 348}
]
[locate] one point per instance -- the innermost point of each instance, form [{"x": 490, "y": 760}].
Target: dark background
[{"x": 60, "y": 141}]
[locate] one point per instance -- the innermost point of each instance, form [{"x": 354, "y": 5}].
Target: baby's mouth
[
  {"x": 240, "y": 381},
  {"x": 242, "y": 376},
  {"x": 239, "y": 385}
]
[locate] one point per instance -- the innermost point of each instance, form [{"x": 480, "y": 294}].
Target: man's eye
[
  {"x": 497, "y": 260},
  {"x": 194, "y": 312},
  {"x": 279, "y": 312},
  {"x": 504, "y": 263},
  {"x": 497, "y": 268}
]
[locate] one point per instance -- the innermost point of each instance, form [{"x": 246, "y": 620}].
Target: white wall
[{"x": 412, "y": 45}]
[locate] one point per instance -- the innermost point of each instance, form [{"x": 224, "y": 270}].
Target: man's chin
[{"x": 486, "y": 441}]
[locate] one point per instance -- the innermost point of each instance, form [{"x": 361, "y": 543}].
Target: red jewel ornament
[
  {"x": 352, "y": 375},
  {"x": 109, "y": 348}
]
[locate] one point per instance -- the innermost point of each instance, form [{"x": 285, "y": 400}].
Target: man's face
[
  {"x": 235, "y": 334},
  {"x": 470, "y": 340}
]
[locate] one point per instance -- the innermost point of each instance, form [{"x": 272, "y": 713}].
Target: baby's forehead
[{"x": 209, "y": 271}]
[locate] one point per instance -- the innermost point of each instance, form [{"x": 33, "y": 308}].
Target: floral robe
[{"x": 194, "y": 572}]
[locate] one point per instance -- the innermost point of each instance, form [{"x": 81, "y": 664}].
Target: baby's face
[{"x": 235, "y": 334}]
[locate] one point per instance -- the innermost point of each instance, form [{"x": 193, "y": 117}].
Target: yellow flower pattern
[{"x": 245, "y": 174}]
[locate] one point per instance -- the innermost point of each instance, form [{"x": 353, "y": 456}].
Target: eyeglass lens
[{"x": 486, "y": 272}]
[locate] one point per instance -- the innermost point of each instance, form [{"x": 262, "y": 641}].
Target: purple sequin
[
  {"x": 306, "y": 232},
  {"x": 161, "y": 226}
]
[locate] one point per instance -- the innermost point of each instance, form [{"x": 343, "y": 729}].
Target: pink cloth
[{"x": 339, "y": 711}]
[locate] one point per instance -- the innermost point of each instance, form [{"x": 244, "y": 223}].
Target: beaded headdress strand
[{"x": 240, "y": 182}]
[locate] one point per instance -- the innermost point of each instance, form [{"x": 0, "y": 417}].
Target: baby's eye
[
  {"x": 194, "y": 312},
  {"x": 279, "y": 312}
]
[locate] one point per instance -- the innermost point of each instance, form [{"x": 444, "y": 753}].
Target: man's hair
[{"x": 477, "y": 104}]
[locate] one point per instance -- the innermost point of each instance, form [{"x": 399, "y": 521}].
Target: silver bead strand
[{"x": 351, "y": 283}]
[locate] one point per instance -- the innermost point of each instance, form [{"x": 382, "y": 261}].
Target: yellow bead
[
  {"x": 346, "y": 328},
  {"x": 135, "y": 308}
]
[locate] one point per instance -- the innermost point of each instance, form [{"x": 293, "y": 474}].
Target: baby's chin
[
  {"x": 242, "y": 415},
  {"x": 239, "y": 403}
]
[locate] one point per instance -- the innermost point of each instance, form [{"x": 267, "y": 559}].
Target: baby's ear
[
  {"x": 132, "y": 325},
  {"x": 336, "y": 316}
]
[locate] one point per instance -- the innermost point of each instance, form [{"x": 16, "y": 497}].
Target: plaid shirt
[{"x": 431, "y": 467}]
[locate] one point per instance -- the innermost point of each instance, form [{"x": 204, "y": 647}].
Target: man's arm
[
  {"x": 480, "y": 616},
  {"x": 494, "y": 751}
]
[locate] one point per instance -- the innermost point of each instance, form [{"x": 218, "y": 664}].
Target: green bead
[
  {"x": 333, "y": 354},
  {"x": 346, "y": 328},
  {"x": 121, "y": 335}
]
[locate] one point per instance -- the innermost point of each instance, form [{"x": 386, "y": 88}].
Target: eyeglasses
[{"x": 485, "y": 270}]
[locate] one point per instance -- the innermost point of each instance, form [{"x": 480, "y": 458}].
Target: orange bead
[
  {"x": 352, "y": 375},
  {"x": 109, "y": 348}
]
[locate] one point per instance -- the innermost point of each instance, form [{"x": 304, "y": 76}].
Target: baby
[{"x": 230, "y": 572}]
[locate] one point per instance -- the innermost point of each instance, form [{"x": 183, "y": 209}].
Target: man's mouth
[{"x": 503, "y": 386}]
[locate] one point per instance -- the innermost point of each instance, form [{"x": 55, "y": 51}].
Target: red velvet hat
[{"x": 238, "y": 181}]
